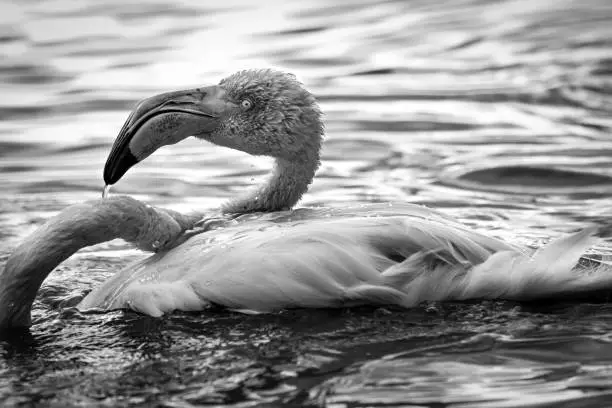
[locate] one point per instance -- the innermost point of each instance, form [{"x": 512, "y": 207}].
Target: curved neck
[
  {"x": 74, "y": 228},
  {"x": 288, "y": 182}
]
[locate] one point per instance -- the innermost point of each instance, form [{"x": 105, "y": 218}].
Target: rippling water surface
[{"x": 498, "y": 113}]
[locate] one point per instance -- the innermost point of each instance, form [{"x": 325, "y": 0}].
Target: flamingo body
[
  {"x": 400, "y": 257},
  {"x": 271, "y": 258}
]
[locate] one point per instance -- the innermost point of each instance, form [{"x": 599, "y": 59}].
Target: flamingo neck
[
  {"x": 288, "y": 182},
  {"x": 74, "y": 228}
]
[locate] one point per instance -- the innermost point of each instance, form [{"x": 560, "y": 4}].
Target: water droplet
[{"x": 106, "y": 190}]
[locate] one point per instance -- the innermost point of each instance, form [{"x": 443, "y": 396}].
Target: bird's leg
[
  {"x": 76, "y": 227},
  {"x": 216, "y": 221},
  {"x": 205, "y": 224}
]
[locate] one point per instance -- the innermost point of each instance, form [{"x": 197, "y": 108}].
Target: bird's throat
[{"x": 288, "y": 182}]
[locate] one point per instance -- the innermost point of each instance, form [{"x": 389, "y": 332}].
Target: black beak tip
[{"x": 116, "y": 167}]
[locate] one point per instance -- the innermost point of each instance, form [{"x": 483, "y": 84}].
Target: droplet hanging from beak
[{"x": 106, "y": 190}]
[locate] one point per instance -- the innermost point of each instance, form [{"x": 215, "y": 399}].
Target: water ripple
[{"x": 495, "y": 112}]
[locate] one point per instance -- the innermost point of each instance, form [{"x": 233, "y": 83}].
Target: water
[{"x": 498, "y": 113}]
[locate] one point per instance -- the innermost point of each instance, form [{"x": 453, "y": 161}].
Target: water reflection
[{"x": 496, "y": 112}]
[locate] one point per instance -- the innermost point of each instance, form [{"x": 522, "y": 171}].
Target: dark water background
[{"x": 498, "y": 113}]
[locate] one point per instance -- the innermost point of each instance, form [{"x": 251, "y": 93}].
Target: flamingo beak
[{"x": 162, "y": 120}]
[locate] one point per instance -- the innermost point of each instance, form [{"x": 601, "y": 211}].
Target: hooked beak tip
[{"x": 116, "y": 167}]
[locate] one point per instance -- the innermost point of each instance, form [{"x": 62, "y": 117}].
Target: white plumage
[{"x": 399, "y": 258}]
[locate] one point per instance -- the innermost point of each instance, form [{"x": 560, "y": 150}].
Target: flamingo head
[{"x": 260, "y": 112}]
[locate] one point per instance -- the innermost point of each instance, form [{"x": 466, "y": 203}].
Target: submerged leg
[{"x": 76, "y": 227}]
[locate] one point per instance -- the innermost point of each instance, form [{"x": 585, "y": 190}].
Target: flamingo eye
[{"x": 246, "y": 104}]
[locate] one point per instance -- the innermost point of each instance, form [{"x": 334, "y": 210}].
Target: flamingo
[{"x": 256, "y": 255}]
